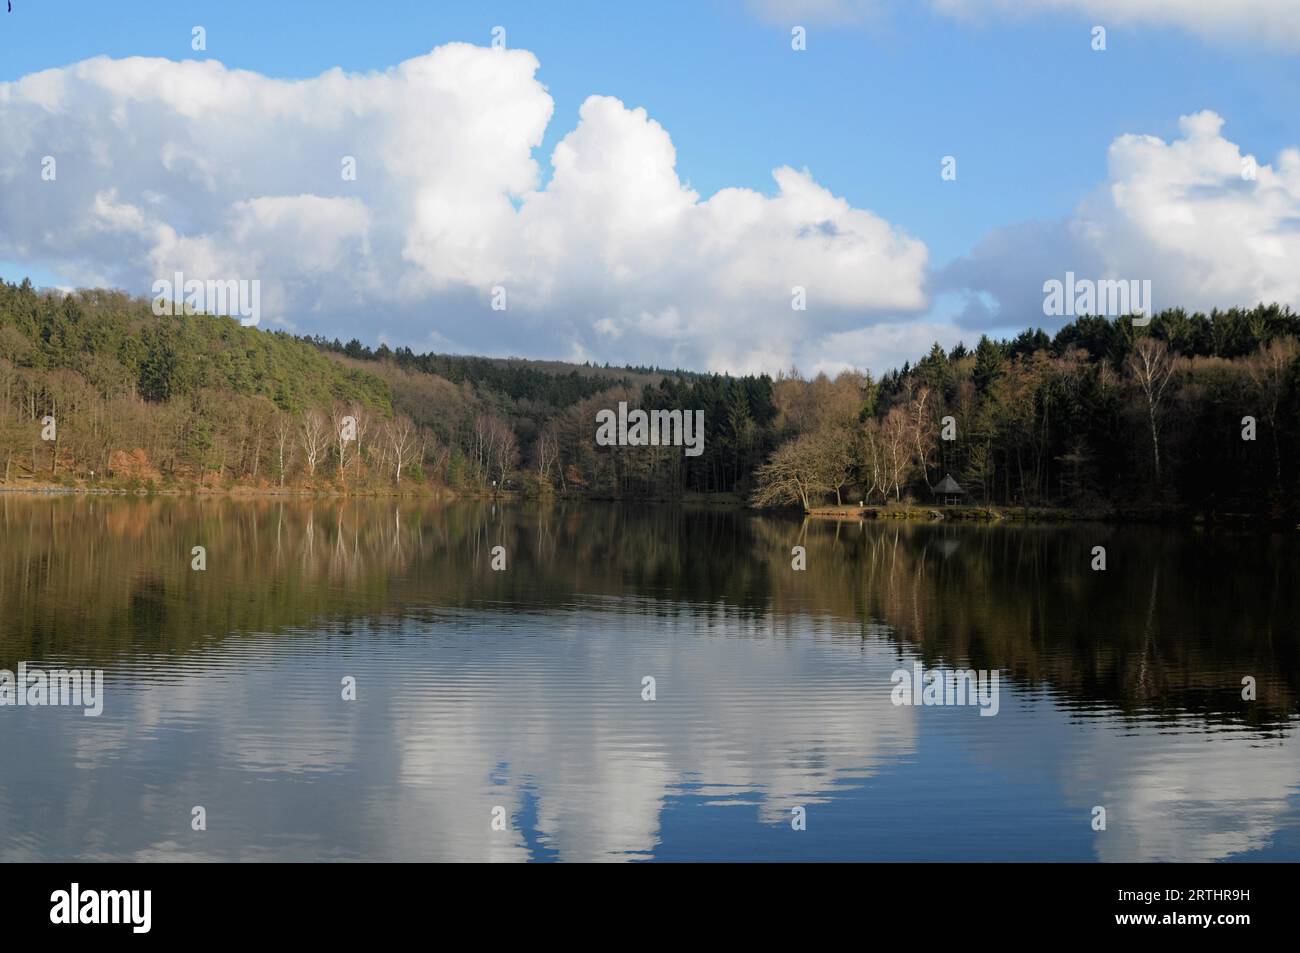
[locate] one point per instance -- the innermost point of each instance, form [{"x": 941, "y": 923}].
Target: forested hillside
[
  {"x": 1193, "y": 414},
  {"x": 1102, "y": 417},
  {"x": 197, "y": 399}
]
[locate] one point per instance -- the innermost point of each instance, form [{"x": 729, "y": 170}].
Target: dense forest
[{"x": 1193, "y": 414}]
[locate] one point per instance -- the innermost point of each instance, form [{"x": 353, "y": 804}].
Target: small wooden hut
[{"x": 948, "y": 491}]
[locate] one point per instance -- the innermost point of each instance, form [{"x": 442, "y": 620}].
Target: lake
[{"x": 505, "y": 714}]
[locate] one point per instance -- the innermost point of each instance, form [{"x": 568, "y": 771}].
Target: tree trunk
[{"x": 1155, "y": 445}]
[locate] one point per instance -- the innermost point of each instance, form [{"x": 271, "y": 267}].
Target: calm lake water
[{"x": 522, "y": 689}]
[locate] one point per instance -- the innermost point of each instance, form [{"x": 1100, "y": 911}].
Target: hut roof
[{"x": 948, "y": 485}]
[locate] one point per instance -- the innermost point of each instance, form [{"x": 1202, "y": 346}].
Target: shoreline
[
  {"x": 900, "y": 512},
  {"x": 56, "y": 489},
  {"x": 1043, "y": 516}
]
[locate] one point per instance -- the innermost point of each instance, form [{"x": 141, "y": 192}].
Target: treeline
[
  {"x": 1194, "y": 413},
  {"x": 198, "y": 399},
  {"x": 1191, "y": 414},
  {"x": 513, "y": 379}
]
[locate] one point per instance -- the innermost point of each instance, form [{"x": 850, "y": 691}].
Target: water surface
[{"x": 522, "y": 689}]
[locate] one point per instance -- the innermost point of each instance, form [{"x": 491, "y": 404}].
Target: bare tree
[
  {"x": 922, "y": 432},
  {"x": 833, "y": 447},
  {"x": 506, "y": 453},
  {"x": 399, "y": 436},
  {"x": 284, "y": 442},
  {"x": 1152, "y": 365},
  {"x": 792, "y": 475},
  {"x": 343, "y": 425},
  {"x": 896, "y": 438},
  {"x": 873, "y": 466},
  {"x": 548, "y": 452},
  {"x": 314, "y": 434},
  {"x": 494, "y": 450},
  {"x": 361, "y": 416}
]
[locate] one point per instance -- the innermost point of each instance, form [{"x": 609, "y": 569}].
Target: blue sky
[{"x": 1028, "y": 109}]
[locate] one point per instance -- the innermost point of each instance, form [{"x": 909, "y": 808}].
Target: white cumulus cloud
[
  {"x": 165, "y": 166},
  {"x": 1208, "y": 223}
]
